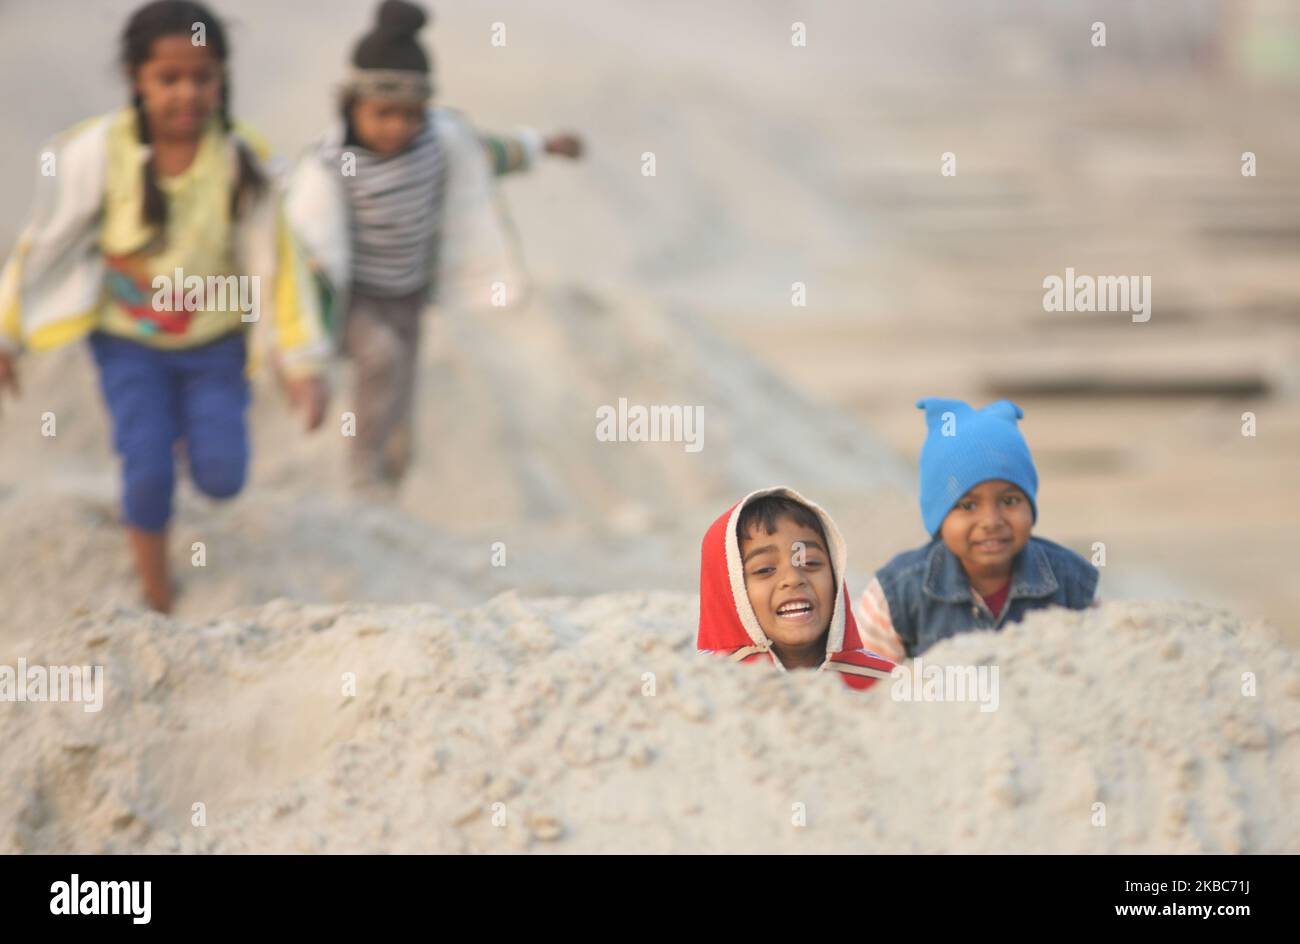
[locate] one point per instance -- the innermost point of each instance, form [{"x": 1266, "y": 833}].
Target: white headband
[{"x": 390, "y": 83}]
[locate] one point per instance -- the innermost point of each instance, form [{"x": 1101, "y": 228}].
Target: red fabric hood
[{"x": 728, "y": 625}]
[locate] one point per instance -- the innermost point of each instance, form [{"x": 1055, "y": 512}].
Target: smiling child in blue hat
[{"x": 982, "y": 567}]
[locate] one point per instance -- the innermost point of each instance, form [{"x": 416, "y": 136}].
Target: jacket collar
[{"x": 1031, "y": 575}]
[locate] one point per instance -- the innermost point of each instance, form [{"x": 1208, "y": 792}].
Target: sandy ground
[
  {"x": 775, "y": 165},
  {"x": 590, "y": 724}
]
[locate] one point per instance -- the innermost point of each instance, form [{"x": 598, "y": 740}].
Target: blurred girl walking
[{"x": 156, "y": 233}]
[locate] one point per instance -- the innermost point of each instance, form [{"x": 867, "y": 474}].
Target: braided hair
[{"x": 149, "y": 23}]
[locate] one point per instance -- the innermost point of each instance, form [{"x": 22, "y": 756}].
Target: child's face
[
  {"x": 180, "y": 84},
  {"x": 988, "y": 527},
  {"x": 789, "y": 583},
  {"x": 387, "y": 125}
]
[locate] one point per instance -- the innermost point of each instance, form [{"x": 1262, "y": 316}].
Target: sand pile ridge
[{"x": 573, "y": 724}]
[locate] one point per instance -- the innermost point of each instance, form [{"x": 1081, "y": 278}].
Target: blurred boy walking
[{"x": 395, "y": 206}]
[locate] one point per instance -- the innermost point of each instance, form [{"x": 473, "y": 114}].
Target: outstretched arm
[{"x": 522, "y": 149}]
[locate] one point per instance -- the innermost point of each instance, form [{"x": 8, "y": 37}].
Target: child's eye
[
  {"x": 966, "y": 505},
  {"x": 1011, "y": 499}
]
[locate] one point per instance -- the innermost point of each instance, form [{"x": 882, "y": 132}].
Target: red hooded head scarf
[{"x": 728, "y": 625}]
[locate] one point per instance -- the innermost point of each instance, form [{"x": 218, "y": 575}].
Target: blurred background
[{"x": 775, "y": 164}]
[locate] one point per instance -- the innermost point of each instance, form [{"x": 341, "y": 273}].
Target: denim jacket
[{"x": 930, "y": 596}]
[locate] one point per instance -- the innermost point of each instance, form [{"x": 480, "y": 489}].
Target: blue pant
[{"x": 159, "y": 397}]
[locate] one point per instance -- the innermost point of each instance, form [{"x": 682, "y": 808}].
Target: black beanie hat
[{"x": 391, "y": 44}]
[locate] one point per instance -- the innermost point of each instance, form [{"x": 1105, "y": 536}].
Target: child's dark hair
[
  {"x": 766, "y": 510},
  {"x": 152, "y": 22},
  {"x": 347, "y": 100}
]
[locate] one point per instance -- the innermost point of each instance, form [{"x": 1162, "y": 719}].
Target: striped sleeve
[
  {"x": 876, "y": 628},
  {"x": 511, "y": 153}
]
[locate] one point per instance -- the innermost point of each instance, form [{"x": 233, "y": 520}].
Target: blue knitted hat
[{"x": 965, "y": 447}]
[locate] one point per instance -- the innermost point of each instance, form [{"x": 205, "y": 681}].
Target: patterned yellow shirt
[{"x": 181, "y": 289}]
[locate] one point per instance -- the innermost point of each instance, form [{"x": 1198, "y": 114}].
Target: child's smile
[
  {"x": 790, "y": 585},
  {"x": 995, "y": 547},
  {"x": 798, "y": 610},
  {"x": 987, "y": 528}
]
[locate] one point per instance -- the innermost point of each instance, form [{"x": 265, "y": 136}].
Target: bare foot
[{"x": 149, "y": 550}]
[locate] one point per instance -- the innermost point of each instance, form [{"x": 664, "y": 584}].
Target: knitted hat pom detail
[
  {"x": 391, "y": 44},
  {"x": 399, "y": 20}
]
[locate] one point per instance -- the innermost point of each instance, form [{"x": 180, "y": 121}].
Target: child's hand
[
  {"x": 8, "y": 375},
  {"x": 564, "y": 145},
  {"x": 311, "y": 395}
]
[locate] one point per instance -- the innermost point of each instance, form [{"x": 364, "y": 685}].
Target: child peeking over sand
[
  {"x": 981, "y": 568},
  {"x": 772, "y": 590}
]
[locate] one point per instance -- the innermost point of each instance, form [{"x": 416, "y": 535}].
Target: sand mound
[
  {"x": 591, "y": 724},
  {"x": 507, "y": 453}
]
